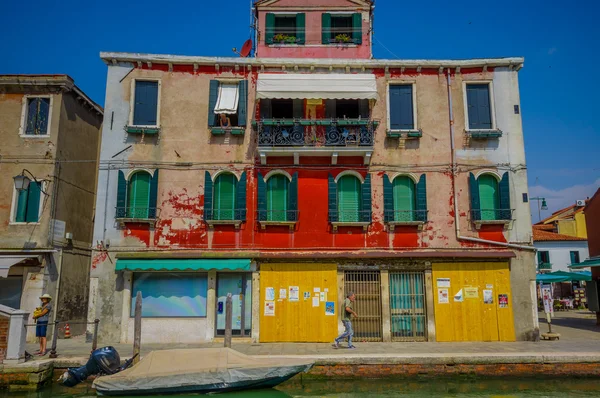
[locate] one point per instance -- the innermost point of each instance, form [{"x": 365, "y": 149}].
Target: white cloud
[
  {"x": 552, "y": 50},
  {"x": 559, "y": 199}
]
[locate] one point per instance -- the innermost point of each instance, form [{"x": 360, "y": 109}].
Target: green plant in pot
[
  {"x": 343, "y": 38},
  {"x": 284, "y": 39}
]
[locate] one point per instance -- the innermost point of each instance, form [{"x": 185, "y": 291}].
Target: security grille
[
  {"x": 367, "y": 287},
  {"x": 407, "y": 306}
]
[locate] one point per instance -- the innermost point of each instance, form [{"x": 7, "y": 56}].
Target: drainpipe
[{"x": 454, "y": 196}]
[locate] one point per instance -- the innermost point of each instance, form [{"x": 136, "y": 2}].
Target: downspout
[{"x": 454, "y": 196}]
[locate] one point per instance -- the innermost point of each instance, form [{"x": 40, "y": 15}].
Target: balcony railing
[
  {"x": 225, "y": 215},
  {"x": 405, "y": 216},
  {"x": 491, "y": 214},
  {"x": 137, "y": 213},
  {"x": 315, "y": 133},
  {"x": 350, "y": 216},
  {"x": 275, "y": 216},
  {"x": 544, "y": 266}
]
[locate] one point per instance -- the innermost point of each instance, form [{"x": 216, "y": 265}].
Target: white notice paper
[
  {"x": 269, "y": 308},
  {"x": 294, "y": 293},
  {"x": 443, "y": 296},
  {"x": 270, "y": 294},
  {"x": 282, "y": 293},
  {"x": 315, "y": 301},
  {"x": 458, "y": 297},
  {"x": 323, "y": 296},
  {"x": 317, "y": 289},
  {"x": 443, "y": 282}
]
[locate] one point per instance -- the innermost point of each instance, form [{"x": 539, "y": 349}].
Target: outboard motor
[{"x": 104, "y": 361}]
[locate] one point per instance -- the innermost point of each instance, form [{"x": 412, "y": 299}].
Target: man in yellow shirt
[{"x": 347, "y": 321}]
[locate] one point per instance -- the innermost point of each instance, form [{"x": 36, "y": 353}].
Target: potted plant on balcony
[
  {"x": 280, "y": 38},
  {"x": 342, "y": 38}
]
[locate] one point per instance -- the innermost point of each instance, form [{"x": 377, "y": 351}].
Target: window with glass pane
[
  {"x": 38, "y": 112},
  {"x": 145, "y": 111},
  {"x": 277, "y": 198},
  {"x": 341, "y": 25},
  {"x": 404, "y": 199},
  {"x": 138, "y": 195},
  {"x": 478, "y": 105},
  {"x": 575, "y": 257},
  {"x": 285, "y": 25},
  {"x": 170, "y": 294},
  {"x": 349, "y": 189},
  {"x": 224, "y": 197},
  {"x": 489, "y": 197},
  {"x": 543, "y": 257},
  {"x": 28, "y": 203}
]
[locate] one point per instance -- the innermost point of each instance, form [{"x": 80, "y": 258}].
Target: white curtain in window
[{"x": 228, "y": 99}]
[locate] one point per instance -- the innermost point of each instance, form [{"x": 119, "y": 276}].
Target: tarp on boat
[{"x": 199, "y": 370}]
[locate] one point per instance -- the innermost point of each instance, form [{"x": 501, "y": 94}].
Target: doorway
[
  {"x": 367, "y": 287},
  {"x": 240, "y": 287}
]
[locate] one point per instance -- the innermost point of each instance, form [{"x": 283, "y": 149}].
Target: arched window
[
  {"x": 349, "y": 198},
  {"x": 404, "y": 199},
  {"x": 278, "y": 198},
  {"x": 138, "y": 195},
  {"x": 224, "y": 197},
  {"x": 489, "y": 197}
]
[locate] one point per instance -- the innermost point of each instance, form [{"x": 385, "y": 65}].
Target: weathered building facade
[
  {"x": 50, "y": 132},
  {"x": 290, "y": 180}
]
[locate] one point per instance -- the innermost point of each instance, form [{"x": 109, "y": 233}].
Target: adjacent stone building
[
  {"x": 50, "y": 134},
  {"x": 307, "y": 171}
]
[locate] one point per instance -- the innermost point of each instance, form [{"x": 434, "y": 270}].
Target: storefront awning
[
  {"x": 316, "y": 86},
  {"x": 590, "y": 262},
  {"x": 182, "y": 264},
  {"x": 562, "y": 276},
  {"x": 7, "y": 261}
]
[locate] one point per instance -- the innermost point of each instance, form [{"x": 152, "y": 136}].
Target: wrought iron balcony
[
  {"x": 224, "y": 216},
  {"x": 136, "y": 214},
  {"x": 315, "y": 133},
  {"x": 491, "y": 215},
  {"x": 545, "y": 266},
  {"x": 277, "y": 215},
  {"x": 405, "y": 216}
]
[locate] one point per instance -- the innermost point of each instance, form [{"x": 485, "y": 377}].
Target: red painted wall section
[{"x": 492, "y": 232}]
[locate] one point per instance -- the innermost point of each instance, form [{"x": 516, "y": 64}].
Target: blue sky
[{"x": 559, "y": 40}]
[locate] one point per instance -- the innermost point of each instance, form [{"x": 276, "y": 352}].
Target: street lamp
[
  {"x": 21, "y": 182},
  {"x": 544, "y": 206}
]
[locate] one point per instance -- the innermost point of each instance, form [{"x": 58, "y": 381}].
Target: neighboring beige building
[{"x": 50, "y": 134}]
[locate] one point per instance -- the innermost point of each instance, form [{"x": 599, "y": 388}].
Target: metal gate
[
  {"x": 367, "y": 287},
  {"x": 407, "y": 306}
]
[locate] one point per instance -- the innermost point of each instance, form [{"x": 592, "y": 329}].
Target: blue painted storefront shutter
[
  {"x": 261, "y": 198},
  {"x": 33, "y": 202},
  {"x": 121, "y": 195},
  {"x": 146, "y": 103},
  {"x": 208, "y": 197},
  {"x": 388, "y": 199},
  {"x": 293, "y": 200},
  {"x": 422, "y": 199},
  {"x": 153, "y": 195},
  {"x": 401, "y": 107},
  {"x": 269, "y": 28},
  {"x": 300, "y": 28},
  {"x": 213, "y": 95},
  {"x": 240, "y": 203},
  {"x": 332, "y": 199},
  {"x": 475, "y": 201},
  {"x": 243, "y": 103},
  {"x": 325, "y": 28},
  {"x": 357, "y": 28},
  {"x": 366, "y": 200},
  {"x": 478, "y": 104},
  {"x": 504, "y": 188}
]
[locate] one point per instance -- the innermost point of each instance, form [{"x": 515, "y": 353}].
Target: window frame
[
  {"x": 497, "y": 208},
  {"x": 490, "y": 84},
  {"x": 548, "y": 257},
  {"x": 128, "y": 194},
  {"x": 574, "y": 253},
  {"x": 341, "y": 14},
  {"x": 414, "y": 186},
  {"x": 132, "y": 102},
  {"x": 214, "y": 207},
  {"x": 14, "y": 205},
  {"x": 283, "y": 14},
  {"x": 389, "y": 104},
  {"x": 24, "y": 114}
]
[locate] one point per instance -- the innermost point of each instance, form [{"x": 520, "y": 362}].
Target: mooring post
[
  {"x": 137, "y": 328},
  {"x": 95, "y": 339},
  {"x": 228, "y": 320},
  {"x": 53, "y": 353}
]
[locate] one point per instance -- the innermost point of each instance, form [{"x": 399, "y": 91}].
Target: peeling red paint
[
  {"x": 406, "y": 236},
  {"x": 492, "y": 232},
  {"x": 99, "y": 258},
  {"x": 139, "y": 231}
]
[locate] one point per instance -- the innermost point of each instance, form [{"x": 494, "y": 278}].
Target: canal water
[{"x": 445, "y": 387}]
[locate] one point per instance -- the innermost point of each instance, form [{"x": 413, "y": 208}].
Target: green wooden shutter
[
  {"x": 138, "y": 199},
  {"x": 21, "y": 206},
  {"x": 488, "y": 196},
  {"x": 121, "y": 195},
  {"x": 388, "y": 199},
  {"x": 293, "y": 198},
  {"x": 208, "y": 197},
  {"x": 366, "y": 207},
  {"x": 240, "y": 202},
  {"x": 213, "y": 95},
  {"x": 349, "y": 199},
  {"x": 475, "y": 201},
  {"x": 243, "y": 103},
  {"x": 325, "y": 28},
  {"x": 421, "y": 207},
  {"x": 153, "y": 195},
  {"x": 277, "y": 198},
  {"x": 357, "y": 28},
  {"x": 504, "y": 213},
  {"x": 539, "y": 257},
  {"x": 33, "y": 202},
  {"x": 269, "y": 28},
  {"x": 332, "y": 199},
  {"x": 261, "y": 198},
  {"x": 478, "y": 106},
  {"x": 225, "y": 197},
  {"x": 300, "y": 28},
  {"x": 404, "y": 199}
]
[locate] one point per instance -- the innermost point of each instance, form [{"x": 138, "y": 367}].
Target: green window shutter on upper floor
[
  {"x": 261, "y": 193},
  {"x": 301, "y": 28},
  {"x": 488, "y": 195},
  {"x": 269, "y": 28},
  {"x": 325, "y": 28},
  {"x": 539, "y": 257},
  {"x": 153, "y": 195},
  {"x": 388, "y": 199},
  {"x": 277, "y": 198},
  {"x": 208, "y": 197},
  {"x": 293, "y": 198},
  {"x": 475, "y": 201},
  {"x": 349, "y": 198},
  {"x": 404, "y": 199},
  {"x": 357, "y": 28},
  {"x": 121, "y": 195},
  {"x": 332, "y": 199},
  {"x": 213, "y": 96},
  {"x": 243, "y": 103},
  {"x": 224, "y": 197},
  {"x": 367, "y": 200},
  {"x": 505, "y": 212},
  {"x": 33, "y": 202},
  {"x": 138, "y": 195},
  {"x": 421, "y": 205},
  {"x": 240, "y": 201}
]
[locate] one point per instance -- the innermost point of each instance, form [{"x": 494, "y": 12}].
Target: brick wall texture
[{"x": 3, "y": 337}]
